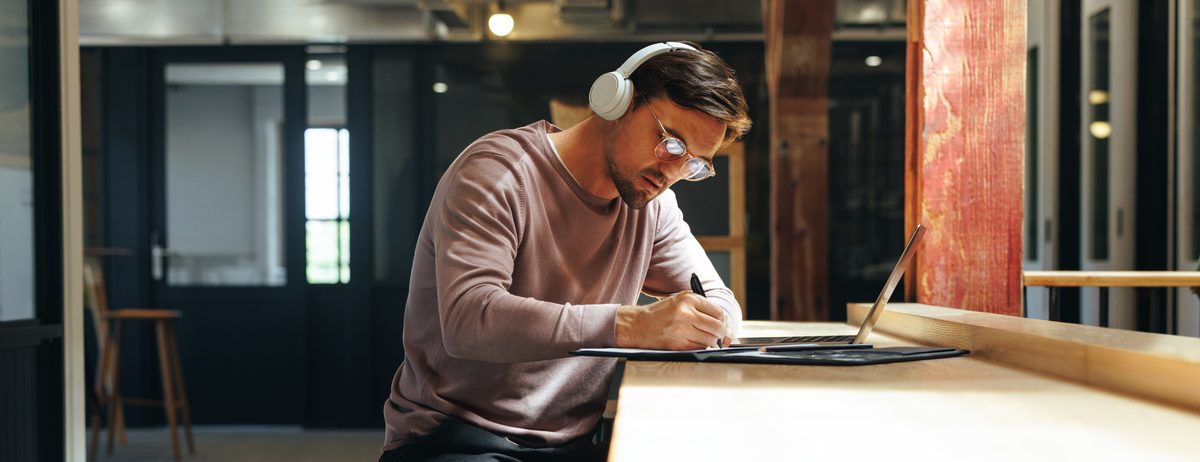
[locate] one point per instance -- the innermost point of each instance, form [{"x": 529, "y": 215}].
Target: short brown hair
[{"x": 698, "y": 80}]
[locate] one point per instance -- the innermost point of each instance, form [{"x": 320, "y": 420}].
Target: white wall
[
  {"x": 209, "y": 170},
  {"x": 221, "y": 141}
]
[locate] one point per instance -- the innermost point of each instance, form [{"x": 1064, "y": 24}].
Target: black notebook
[{"x": 825, "y": 355}]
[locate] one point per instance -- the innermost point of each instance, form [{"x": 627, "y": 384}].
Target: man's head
[{"x": 692, "y": 96}]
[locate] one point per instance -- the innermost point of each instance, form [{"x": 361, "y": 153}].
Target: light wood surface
[
  {"x": 964, "y": 408},
  {"x": 1112, "y": 278},
  {"x": 1155, "y": 366},
  {"x": 717, "y": 243}
]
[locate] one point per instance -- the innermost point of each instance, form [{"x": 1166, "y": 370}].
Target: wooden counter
[
  {"x": 1030, "y": 390},
  {"x": 1111, "y": 278}
]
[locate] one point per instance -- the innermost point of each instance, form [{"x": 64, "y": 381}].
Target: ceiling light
[
  {"x": 313, "y": 64},
  {"x": 440, "y": 87},
  {"x": 501, "y": 23},
  {"x": 1100, "y": 129},
  {"x": 1097, "y": 96},
  {"x": 874, "y": 61}
]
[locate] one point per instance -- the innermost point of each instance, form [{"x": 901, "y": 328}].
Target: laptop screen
[{"x": 890, "y": 286}]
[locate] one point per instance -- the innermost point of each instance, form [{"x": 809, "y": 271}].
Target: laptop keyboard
[{"x": 818, "y": 339}]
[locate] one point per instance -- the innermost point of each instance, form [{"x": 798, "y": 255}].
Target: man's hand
[{"x": 684, "y": 321}]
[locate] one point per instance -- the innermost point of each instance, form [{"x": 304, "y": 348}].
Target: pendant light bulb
[{"x": 501, "y": 23}]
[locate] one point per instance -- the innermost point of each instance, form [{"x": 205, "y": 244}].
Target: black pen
[{"x": 699, "y": 289}]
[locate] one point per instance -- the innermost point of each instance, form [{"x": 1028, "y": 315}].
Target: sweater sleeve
[
  {"x": 677, "y": 254},
  {"x": 477, "y": 233}
]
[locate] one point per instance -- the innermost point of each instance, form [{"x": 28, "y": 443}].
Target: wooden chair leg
[
  {"x": 114, "y": 397},
  {"x": 177, "y": 366},
  {"x": 121, "y": 422},
  {"x": 164, "y": 363},
  {"x": 101, "y": 390},
  {"x": 119, "y": 406},
  {"x": 94, "y": 444}
]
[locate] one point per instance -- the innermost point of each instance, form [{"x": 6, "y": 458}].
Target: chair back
[{"x": 94, "y": 297}]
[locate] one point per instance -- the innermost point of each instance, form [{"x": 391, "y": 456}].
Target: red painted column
[{"x": 965, "y": 151}]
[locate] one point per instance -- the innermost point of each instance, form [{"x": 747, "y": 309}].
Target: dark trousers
[{"x": 455, "y": 440}]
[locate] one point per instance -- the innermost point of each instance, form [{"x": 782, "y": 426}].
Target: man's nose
[{"x": 672, "y": 169}]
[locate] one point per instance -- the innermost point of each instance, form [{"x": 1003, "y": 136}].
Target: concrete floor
[{"x": 259, "y": 444}]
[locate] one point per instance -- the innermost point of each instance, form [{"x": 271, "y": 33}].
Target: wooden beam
[
  {"x": 964, "y": 164},
  {"x": 798, "y": 46}
]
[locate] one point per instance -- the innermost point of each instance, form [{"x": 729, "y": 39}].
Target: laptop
[{"x": 868, "y": 323}]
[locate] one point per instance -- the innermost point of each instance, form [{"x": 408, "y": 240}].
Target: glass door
[
  {"x": 1109, "y": 77},
  {"x": 227, "y": 228}
]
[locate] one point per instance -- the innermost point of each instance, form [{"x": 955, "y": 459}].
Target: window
[{"x": 327, "y": 204}]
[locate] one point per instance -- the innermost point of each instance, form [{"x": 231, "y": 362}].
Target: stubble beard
[{"x": 630, "y": 194}]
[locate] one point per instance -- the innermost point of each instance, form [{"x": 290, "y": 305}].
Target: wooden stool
[{"x": 107, "y": 385}]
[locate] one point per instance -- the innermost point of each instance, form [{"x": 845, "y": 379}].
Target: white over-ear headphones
[{"x": 612, "y": 92}]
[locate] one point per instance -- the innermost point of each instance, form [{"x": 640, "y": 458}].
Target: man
[{"x": 537, "y": 243}]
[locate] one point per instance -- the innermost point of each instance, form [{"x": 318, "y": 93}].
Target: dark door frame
[{"x": 33, "y": 349}]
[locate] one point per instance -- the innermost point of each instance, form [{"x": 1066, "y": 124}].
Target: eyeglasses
[{"x": 672, "y": 148}]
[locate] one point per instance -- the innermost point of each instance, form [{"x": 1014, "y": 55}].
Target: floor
[{"x": 259, "y": 444}]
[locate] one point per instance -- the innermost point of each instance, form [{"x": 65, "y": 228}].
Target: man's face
[{"x": 629, "y": 148}]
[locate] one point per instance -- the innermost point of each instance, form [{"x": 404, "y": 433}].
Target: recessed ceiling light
[
  {"x": 874, "y": 61},
  {"x": 440, "y": 87}
]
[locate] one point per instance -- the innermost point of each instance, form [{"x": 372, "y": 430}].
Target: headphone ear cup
[
  {"x": 624, "y": 98},
  {"x": 610, "y": 95}
]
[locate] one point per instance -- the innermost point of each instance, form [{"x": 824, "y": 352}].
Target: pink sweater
[{"x": 517, "y": 265}]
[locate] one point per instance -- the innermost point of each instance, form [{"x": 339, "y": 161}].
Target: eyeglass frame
[{"x": 666, "y": 136}]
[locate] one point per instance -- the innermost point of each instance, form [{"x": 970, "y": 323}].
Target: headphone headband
[{"x": 648, "y": 52}]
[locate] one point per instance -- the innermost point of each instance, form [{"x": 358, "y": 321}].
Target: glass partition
[{"x": 16, "y": 172}]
